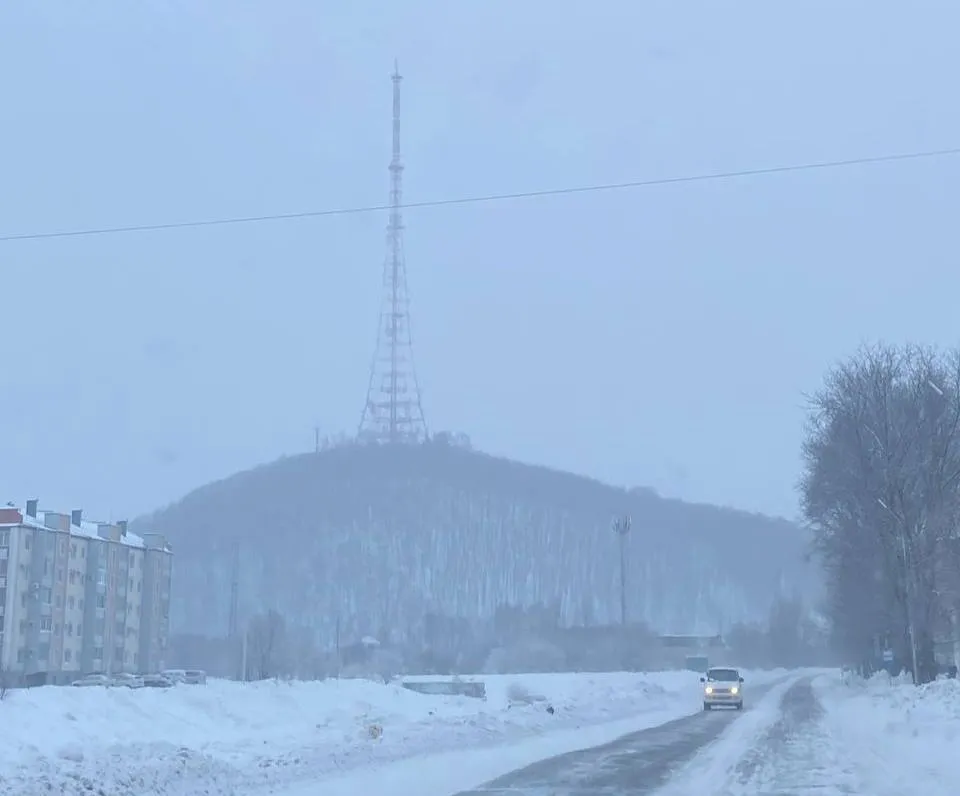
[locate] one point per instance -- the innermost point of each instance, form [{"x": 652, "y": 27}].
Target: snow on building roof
[
  {"x": 91, "y": 529},
  {"x": 88, "y": 529}
]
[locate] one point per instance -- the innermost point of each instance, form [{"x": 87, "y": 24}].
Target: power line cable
[{"x": 499, "y": 197}]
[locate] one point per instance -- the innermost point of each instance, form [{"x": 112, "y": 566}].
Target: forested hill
[{"x": 383, "y": 535}]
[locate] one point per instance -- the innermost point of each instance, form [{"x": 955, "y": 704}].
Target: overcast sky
[{"x": 663, "y": 336}]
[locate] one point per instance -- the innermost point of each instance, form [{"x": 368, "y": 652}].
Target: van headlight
[
  {"x": 734, "y": 690},
  {"x": 708, "y": 689}
]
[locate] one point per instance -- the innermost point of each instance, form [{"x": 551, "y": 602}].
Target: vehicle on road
[{"x": 722, "y": 685}]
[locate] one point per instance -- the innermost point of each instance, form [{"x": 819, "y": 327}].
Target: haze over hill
[
  {"x": 662, "y": 336},
  {"x": 379, "y": 536}
]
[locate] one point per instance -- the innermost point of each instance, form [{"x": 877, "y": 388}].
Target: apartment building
[{"x": 78, "y": 596}]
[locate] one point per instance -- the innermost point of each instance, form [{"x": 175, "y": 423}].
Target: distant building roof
[{"x": 12, "y": 516}]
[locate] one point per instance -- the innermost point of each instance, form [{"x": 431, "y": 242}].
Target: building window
[
  {"x": 79, "y": 630},
  {"x": 73, "y": 550},
  {"x": 21, "y": 655},
  {"x": 63, "y": 547},
  {"x": 45, "y": 624},
  {"x": 46, "y": 595},
  {"x": 71, "y": 602},
  {"x": 67, "y": 655},
  {"x": 101, "y": 601},
  {"x": 4, "y": 538},
  {"x": 98, "y": 653},
  {"x": 60, "y": 575},
  {"x": 80, "y": 604},
  {"x": 70, "y": 628}
]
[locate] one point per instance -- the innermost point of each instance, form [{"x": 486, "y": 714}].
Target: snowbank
[
  {"x": 717, "y": 763},
  {"x": 902, "y": 739},
  {"x": 227, "y": 737}
]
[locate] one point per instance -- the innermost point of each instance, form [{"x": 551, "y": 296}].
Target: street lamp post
[
  {"x": 621, "y": 527},
  {"x": 901, "y": 532}
]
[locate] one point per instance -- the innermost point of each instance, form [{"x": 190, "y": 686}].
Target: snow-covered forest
[{"x": 372, "y": 539}]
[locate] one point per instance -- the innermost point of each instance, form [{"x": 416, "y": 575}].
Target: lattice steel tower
[{"x": 393, "y": 412}]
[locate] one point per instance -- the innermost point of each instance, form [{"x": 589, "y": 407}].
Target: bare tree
[
  {"x": 266, "y": 641},
  {"x": 882, "y": 465}
]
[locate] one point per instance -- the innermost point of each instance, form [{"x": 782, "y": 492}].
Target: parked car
[
  {"x": 156, "y": 681},
  {"x": 125, "y": 680},
  {"x": 186, "y": 676},
  {"x": 93, "y": 679}
]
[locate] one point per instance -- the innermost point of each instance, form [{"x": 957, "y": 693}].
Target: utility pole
[
  {"x": 243, "y": 656},
  {"x": 339, "y": 664},
  {"x": 316, "y": 439},
  {"x": 900, "y": 524},
  {"x": 907, "y": 592},
  {"x": 621, "y": 527},
  {"x": 233, "y": 620}
]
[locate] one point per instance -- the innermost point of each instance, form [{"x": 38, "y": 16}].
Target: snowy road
[
  {"x": 639, "y": 763},
  {"x": 795, "y": 740},
  {"x": 802, "y": 733}
]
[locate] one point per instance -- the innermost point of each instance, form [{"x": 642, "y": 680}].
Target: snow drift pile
[
  {"x": 903, "y": 739},
  {"x": 168, "y": 741}
]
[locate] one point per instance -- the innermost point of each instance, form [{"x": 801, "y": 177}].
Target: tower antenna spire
[{"x": 393, "y": 412}]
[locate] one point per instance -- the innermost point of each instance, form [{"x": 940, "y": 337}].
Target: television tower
[{"x": 393, "y": 412}]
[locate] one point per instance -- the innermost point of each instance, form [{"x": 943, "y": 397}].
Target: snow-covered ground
[
  {"x": 273, "y": 736},
  {"x": 718, "y": 767},
  {"x": 835, "y": 738},
  {"x": 897, "y": 738}
]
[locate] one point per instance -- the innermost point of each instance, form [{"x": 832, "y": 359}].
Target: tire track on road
[
  {"x": 797, "y": 756},
  {"x": 634, "y": 765}
]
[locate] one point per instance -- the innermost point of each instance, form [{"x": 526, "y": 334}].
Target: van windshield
[{"x": 723, "y": 675}]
